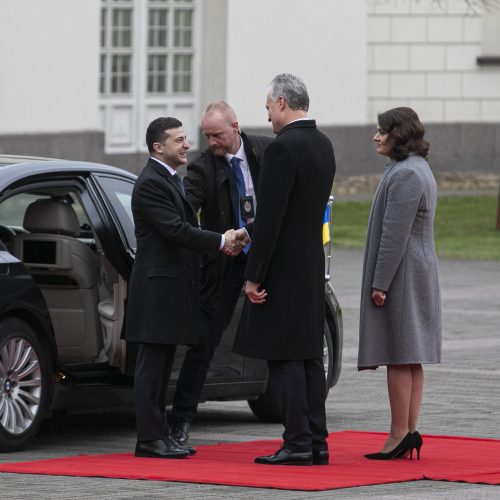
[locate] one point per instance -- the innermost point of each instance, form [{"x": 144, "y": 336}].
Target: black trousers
[
  {"x": 197, "y": 360},
  {"x": 152, "y": 373},
  {"x": 301, "y": 387}
]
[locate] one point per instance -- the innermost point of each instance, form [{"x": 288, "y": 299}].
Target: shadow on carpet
[{"x": 443, "y": 458}]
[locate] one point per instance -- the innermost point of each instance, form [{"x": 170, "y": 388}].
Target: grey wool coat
[{"x": 400, "y": 259}]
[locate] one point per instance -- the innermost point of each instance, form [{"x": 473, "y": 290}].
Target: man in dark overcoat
[
  {"x": 211, "y": 187},
  {"x": 163, "y": 295},
  {"x": 283, "y": 321}
]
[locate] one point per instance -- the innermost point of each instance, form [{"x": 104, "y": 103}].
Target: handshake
[{"x": 235, "y": 241}]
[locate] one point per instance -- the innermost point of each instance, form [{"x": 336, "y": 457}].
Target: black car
[{"x": 63, "y": 287}]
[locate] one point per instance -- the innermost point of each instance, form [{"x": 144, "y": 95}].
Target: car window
[
  {"x": 119, "y": 193},
  {"x": 12, "y": 210},
  {"x": 78, "y": 208}
]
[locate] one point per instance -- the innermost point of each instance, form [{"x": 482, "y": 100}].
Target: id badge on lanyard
[{"x": 247, "y": 209}]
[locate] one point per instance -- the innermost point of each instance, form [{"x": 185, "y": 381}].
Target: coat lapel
[{"x": 187, "y": 211}]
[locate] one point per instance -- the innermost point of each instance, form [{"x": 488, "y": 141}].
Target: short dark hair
[
  {"x": 156, "y": 130},
  {"x": 405, "y": 131}
]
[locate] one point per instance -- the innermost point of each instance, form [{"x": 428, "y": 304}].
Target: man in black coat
[
  {"x": 283, "y": 321},
  {"x": 163, "y": 295},
  {"x": 211, "y": 187}
]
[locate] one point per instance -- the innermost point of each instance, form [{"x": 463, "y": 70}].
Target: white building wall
[
  {"x": 49, "y": 59},
  {"x": 423, "y": 54},
  {"x": 322, "y": 41},
  {"x": 357, "y": 57},
  {"x": 211, "y": 84}
]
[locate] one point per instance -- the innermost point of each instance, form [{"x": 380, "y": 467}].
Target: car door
[{"x": 108, "y": 205}]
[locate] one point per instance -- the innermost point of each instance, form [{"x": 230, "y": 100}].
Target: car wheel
[
  {"x": 266, "y": 407},
  {"x": 24, "y": 375}
]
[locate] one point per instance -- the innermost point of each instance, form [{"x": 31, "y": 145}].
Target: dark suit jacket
[
  {"x": 208, "y": 185},
  {"x": 163, "y": 293},
  {"x": 287, "y": 254}
]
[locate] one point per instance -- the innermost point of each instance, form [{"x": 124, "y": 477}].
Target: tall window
[
  {"x": 158, "y": 34},
  {"x": 147, "y": 68},
  {"x": 170, "y": 46},
  {"x": 116, "y": 46},
  {"x": 167, "y": 61}
]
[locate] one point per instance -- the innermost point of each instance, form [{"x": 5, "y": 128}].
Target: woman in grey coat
[{"x": 400, "y": 314}]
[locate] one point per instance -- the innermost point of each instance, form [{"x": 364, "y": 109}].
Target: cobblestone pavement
[{"x": 462, "y": 397}]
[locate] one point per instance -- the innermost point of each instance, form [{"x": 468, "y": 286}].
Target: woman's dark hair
[
  {"x": 406, "y": 132},
  {"x": 156, "y": 130}
]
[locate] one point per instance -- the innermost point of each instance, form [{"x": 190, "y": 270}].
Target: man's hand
[
  {"x": 242, "y": 237},
  {"x": 378, "y": 297},
  {"x": 232, "y": 245},
  {"x": 235, "y": 241},
  {"x": 255, "y": 296}
]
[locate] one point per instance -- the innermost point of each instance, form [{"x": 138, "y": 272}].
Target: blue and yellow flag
[{"x": 326, "y": 225}]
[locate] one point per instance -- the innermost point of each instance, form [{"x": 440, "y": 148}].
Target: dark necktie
[
  {"x": 178, "y": 181},
  {"x": 235, "y": 163},
  {"x": 240, "y": 184}
]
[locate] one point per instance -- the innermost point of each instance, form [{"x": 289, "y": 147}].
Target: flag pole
[{"x": 329, "y": 246}]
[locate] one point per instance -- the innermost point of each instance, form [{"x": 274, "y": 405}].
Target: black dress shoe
[
  {"x": 321, "y": 457},
  {"x": 159, "y": 449},
  {"x": 189, "y": 449},
  {"x": 180, "y": 432},
  {"x": 286, "y": 457}
]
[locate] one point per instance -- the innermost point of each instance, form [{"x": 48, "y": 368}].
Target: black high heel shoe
[
  {"x": 417, "y": 443},
  {"x": 407, "y": 444}
]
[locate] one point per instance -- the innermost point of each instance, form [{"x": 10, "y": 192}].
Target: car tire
[
  {"x": 266, "y": 406},
  {"x": 24, "y": 376}
]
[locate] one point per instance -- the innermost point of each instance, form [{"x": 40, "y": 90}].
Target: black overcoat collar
[
  {"x": 252, "y": 161},
  {"x": 298, "y": 124}
]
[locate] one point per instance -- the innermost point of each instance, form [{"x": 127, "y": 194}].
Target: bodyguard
[{"x": 213, "y": 186}]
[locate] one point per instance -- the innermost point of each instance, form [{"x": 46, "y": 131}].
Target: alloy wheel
[{"x": 20, "y": 385}]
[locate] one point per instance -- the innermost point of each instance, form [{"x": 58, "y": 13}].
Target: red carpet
[{"x": 443, "y": 458}]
